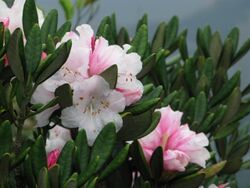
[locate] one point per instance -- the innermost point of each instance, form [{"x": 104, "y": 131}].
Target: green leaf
[
  {"x": 54, "y": 176},
  {"x": 167, "y": 100},
  {"x": 183, "y": 47},
  {"x": 215, "y": 48},
  {"x": 139, "y": 160},
  {"x": 92, "y": 183},
  {"x": 20, "y": 158},
  {"x": 13, "y": 55},
  {"x": 29, "y": 172},
  {"x": 49, "y": 26},
  {"x": 148, "y": 64},
  {"x": 206, "y": 124},
  {"x": 82, "y": 152},
  {"x": 213, "y": 170},
  {"x": 68, "y": 8},
  {"x": 200, "y": 108},
  {"x": 224, "y": 131},
  {"x": 242, "y": 51},
  {"x": 65, "y": 161},
  {"x": 30, "y": 17},
  {"x": 123, "y": 37},
  {"x": 226, "y": 89},
  {"x": 159, "y": 38},
  {"x": 72, "y": 181},
  {"x": 9, "y": 3},
  {"x": 143, "y": 106},
  {"x": 156, "y": 163},
  {"x": 140, "y": 41},
  {"x": 101, "y": 28},
  {"x": 232, "y": 166},
  {"x": 116, "y": 162},
  {"x": 43, "y": 180},
  {"x": 111, "y": 75},
  {"x": 63, "y": 29},
  {"x": 240, "y": 148},
  {"x": 234, "y": 36},
  {"x": 38, "y": 156},
  {"x": 131, "y": 132},
  {"x": 227, "y": 54},
  {"x": 142, "y": 21},
  {"x": 4, "y": 166},
  {"x": 233, "y": 105},
  {"x": 192, "y": 181},
  {"x": 6, "y": 137},
  {"x": 64, "y": 94},
  {"x": 171, "y": 32},
  {"x": 100, "y": 154},
  {"x": 62, "y": 54},
  {"x": 33, "y": 49}
]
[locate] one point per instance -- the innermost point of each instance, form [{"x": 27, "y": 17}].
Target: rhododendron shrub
[{"x": 105, "y": 109}]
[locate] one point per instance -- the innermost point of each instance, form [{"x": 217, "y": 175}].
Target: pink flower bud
[{"x": 53, "y": 157}]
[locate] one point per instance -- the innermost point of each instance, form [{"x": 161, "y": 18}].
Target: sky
[{"x": 222, "y": 15}]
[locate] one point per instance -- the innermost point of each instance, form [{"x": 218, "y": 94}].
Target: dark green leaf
[
  {"x": 64, "y": 94},
  {"x": 13, "y": 54},
  {"x": 43, "y": 180},
  {"x": 115, "y": 163},
  {"x": 156, "y": 162},
  {"x": 159, "y": 38},
  {"x": 65, "y": 161},
  {"x": 215, "y": 48},
  {"x": 224, "y": 131},
  {"x": 123, "y": 37},
  {"x": 200, "y": 107},
  {"x": 62, "y": 54},
  {"x": 63, "y": 29},
  {"x": 49, "y": 26},
  {"x": 82, "y": 152},
  {"x": 111, "y": 75},
  {"x": 33, "y": 49},
  {"x": 192, "y": 181},
  {"x": 242, "y": 51},
  {"x": 183, "y": 47},
  {"x": 143, "y": 106},
  {"x": 54, "y": 176},
  {"x": 30, "y": 17},
  {"x": 171, "y": 32},
  {"x": 234, "y": 36},
  {"x": 38, "y": 156}
]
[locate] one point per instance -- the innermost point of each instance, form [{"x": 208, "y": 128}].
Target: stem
[{"x": 18, "y": 145}]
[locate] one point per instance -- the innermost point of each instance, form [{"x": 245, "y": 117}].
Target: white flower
[
  {"x": 95, "y": 105},
  {"x": 15, "y": 14},
  {"x": 58, "y": 136}
]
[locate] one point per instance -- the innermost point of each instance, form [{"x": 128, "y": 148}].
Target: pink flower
[
  {"x": 53, "y": 157},
  {"x": 90, "y": 57},
  {"x": 180, "y": 145},
  {"x": 12, "y": 17}
]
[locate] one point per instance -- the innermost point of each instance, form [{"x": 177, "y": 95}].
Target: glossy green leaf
[
  {"x": 183, "y": 47},
  {"x": 142, "y": 21},
  {"x": 171, "y": 31},
  {"x": 63, "y": 29},
  {"x": 140, "y": 41},
  {"x": 33, "y": 49},
  {"x": 224, "y": 131},
  {"x": 200, "y": 107},
  {"x": 159, "y": 38},
  {"x": 49, "y": 26},
  {"x": 62, "y": 54},
  {"x": 123, "y": 37},
  {"x": 234, "y": 36},
  {"x": 38, "y": 156},
  {"x": 232, "y": 166},
  {"x": 156, "y": 162},
  {"x": 215, "y": 48},
  {"x": 54, "y": 173},
  {"x": 226, "y": 89},
  {"x": 148, "y": 64},
  {"x": 143, "y": 106},
  {"x": 116, "y": 162},
  {"x": 242, "y": 51},
  {"x": 83, "y": 151},
  {"x": 111, "y": 75},
  {"x": 43, "y": 180},
  {"x": 13, "y": 54},
  {"x": 65, "y": 161},
  {"x": 139, "y": 159},
  {"x": 227, "y": 54},
  {"x": 30, "y": 17},
  {"x": 192, "y": 181},
  {"x": 64, "y": 94},
  {"x": 28, "y": 172},
  {"x": 72, "y": 181}
]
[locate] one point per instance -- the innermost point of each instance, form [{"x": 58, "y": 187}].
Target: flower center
[
  {"x": 164, "y": 141},
  {"x": 95, "y": 106}
]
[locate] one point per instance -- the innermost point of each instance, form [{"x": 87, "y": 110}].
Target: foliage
[{"x": 197, "y": 84}]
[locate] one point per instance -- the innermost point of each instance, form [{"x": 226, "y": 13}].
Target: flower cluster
[{"x": 94, "y": 103}]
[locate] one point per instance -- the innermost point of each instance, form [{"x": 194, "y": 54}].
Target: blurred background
[{"x": 222, "y": 15}]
